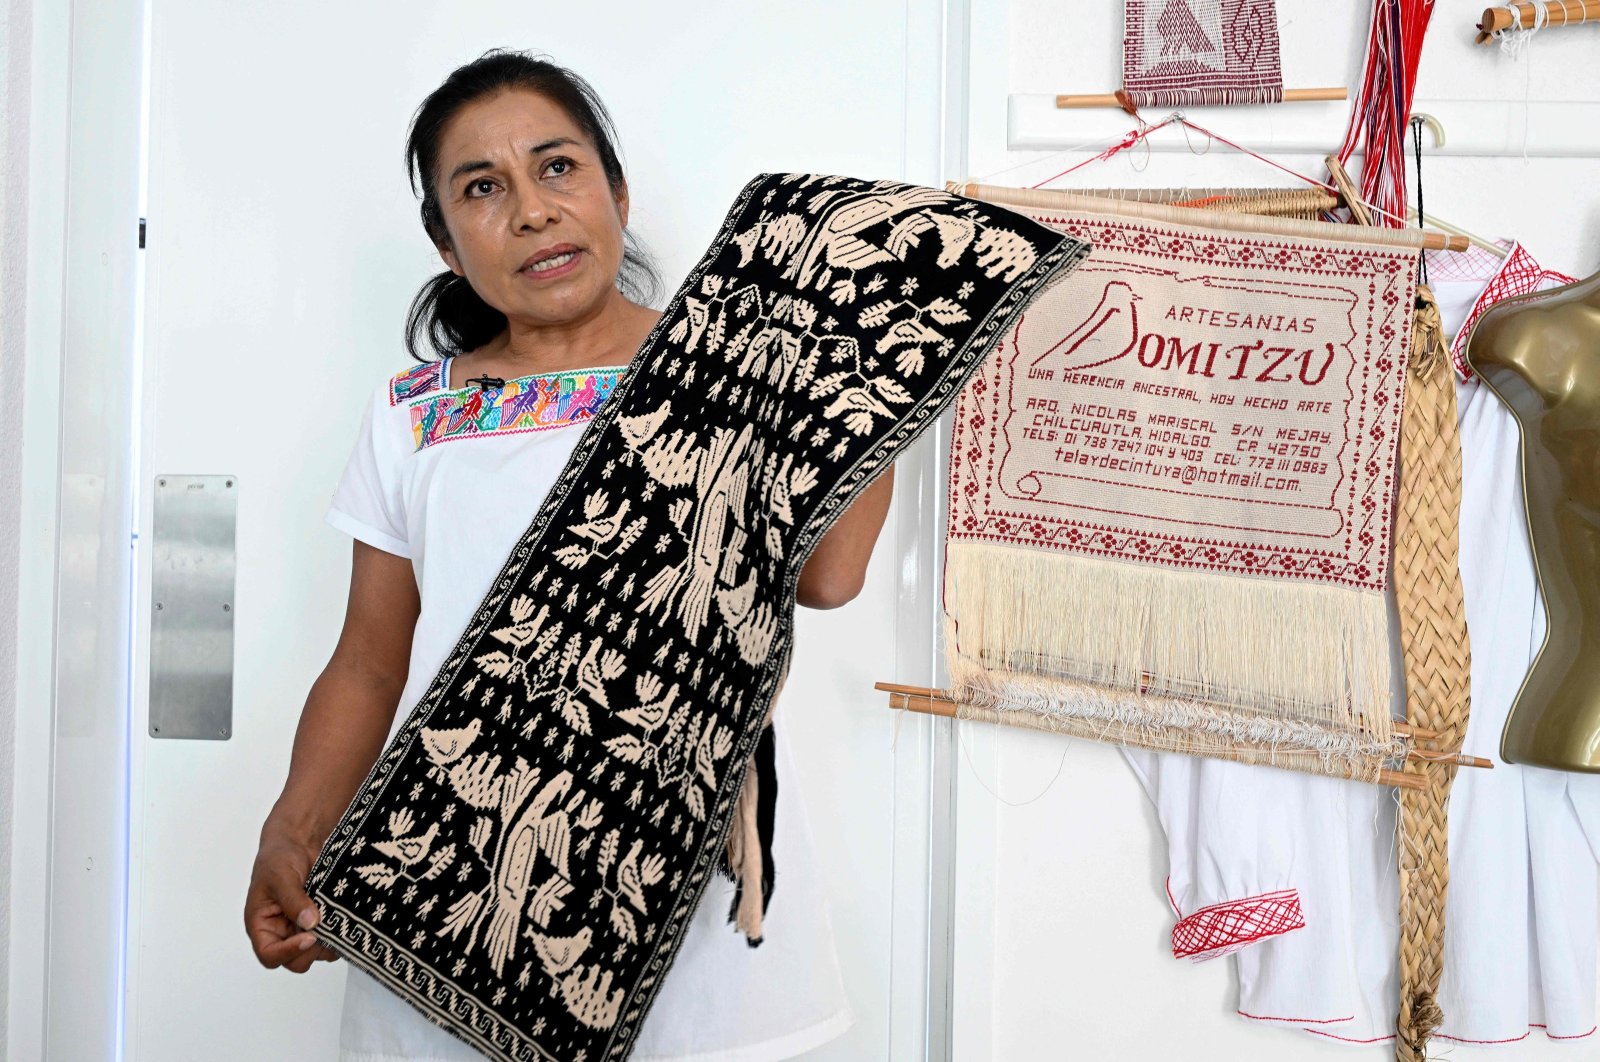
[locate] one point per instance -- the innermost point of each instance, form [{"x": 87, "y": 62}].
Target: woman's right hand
[
  {"x": 341, "y": 732},
  {"x": 277, "y": 911}
]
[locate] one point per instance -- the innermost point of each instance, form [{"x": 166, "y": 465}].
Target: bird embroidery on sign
[
  {"x": 1107, "y": 334},
  {"x": 1111, "y": 331}
]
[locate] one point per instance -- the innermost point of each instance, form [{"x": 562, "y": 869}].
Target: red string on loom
[
  {"x": 1139, "y": 134},
  {"x": 1255, "y": 155},
  {"x": 1383, "y": 104},
  {"x": 1133, "y": 137}
]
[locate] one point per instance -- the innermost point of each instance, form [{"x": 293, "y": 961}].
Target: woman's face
[{"x": 518, "y": 180}]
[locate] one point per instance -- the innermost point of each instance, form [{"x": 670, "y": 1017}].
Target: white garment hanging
[
  {"x": 460, "y": 502},
  {"x": 1520, "y": 938}
]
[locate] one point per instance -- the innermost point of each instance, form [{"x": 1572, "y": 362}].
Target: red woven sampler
[{"x": 1177, "y": 52}]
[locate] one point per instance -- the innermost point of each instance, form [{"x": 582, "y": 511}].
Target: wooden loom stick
[
  {"x": 1347, "y": 191},
  {"x": 942, "y": 697},
  {"x": 1260, "y": 201},
  {"x": 1475, "y": 240},
  {"x": 927, "y": 701},
  {"x": 1111, "y": 99},
  {"x": 1362, "y": 213},
  {"x": 1054, "y": 199},
  {"x": 943, "y": 706},
  {"x": 1496, "y": 19}
]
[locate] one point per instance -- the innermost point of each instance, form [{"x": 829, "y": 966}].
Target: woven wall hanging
[
  {"x": 1189, "y": 52},
  {"x": 1171, "y": 495}
]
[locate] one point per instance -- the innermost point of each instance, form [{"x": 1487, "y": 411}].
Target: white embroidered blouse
[{"x": 450, "y": 478}]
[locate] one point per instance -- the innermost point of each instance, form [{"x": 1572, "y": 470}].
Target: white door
[{"x": 284, "y": 247}]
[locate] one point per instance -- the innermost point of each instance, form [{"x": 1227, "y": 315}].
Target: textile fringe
[
  {"x": 1433, "y": 638},
  {"x": 747, "y": 856},
  {"x": 1029, "y": 611},
  {"x": 1205, "y": 97}
]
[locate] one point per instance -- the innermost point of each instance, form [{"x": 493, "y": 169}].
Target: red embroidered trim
[
  {"x": 1381, "y": 1039},
  {"x": 1520, "y": 275},
  {"x": 1226, "y": 927},
  {"x": 1579, "y": 1036},
  {"x": 1442, "y": 1036},
  {"x": 1516, "y": 1039},
  {"x": 1464, "y": 1040}
]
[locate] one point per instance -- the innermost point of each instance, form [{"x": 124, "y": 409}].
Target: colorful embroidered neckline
[{"x": 537, "y": 402}]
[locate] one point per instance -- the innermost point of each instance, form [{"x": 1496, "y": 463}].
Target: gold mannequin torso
[{"x": 1541, "y": 355}]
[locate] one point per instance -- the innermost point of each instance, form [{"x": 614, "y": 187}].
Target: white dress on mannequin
[{"x": 1520, "y": 938}]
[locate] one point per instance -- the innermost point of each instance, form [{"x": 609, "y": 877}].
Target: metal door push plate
[{"x": 191, "y": 606}]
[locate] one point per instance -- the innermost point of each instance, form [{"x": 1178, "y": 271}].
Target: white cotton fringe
[{"x": 1270, "y": 663}]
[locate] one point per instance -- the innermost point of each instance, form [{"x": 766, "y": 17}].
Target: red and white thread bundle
[{"x": 1383, "y": 105}]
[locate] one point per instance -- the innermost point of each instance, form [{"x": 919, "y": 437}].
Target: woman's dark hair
[{"x": 447, "y": 311}]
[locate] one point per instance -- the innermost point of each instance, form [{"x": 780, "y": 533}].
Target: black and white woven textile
[{"x": 522, "y": 860}]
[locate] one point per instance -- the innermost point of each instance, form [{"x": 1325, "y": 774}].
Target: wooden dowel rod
[
  {"x": 1476, "y": 240},
  {"x": 1557, "y": 13},
  {"x": 945, "y": 705},
  {"x": 946, "y": 708},
  {"x": 1109, "y": 99},
  {"x": 926, "y": 701},
  {"x": 1063, "y": 199},
  {"x": 920, "y": 702},
  {"x": 1458, "y": 758},
  {"x": 919, "y": 691}
]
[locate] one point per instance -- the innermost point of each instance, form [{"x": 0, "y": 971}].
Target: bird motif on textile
[
  {"x": 558, "y": 954},
  {"x": 533, "y": 829},
  {"x": 409, "y": 851},
  {"x": 605, "y": 528},
  {"x": 836, "y": 243},
  {"x": 721, "y": 477},
  {"x": 445, "y": 746}
]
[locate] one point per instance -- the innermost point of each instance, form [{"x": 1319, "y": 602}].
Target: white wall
[
  {"x": 14, "y": 31},
  {"x": 1062, "y": 921}
]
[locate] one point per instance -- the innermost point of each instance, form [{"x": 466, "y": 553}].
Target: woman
[{"x": 525, "y": 199}]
